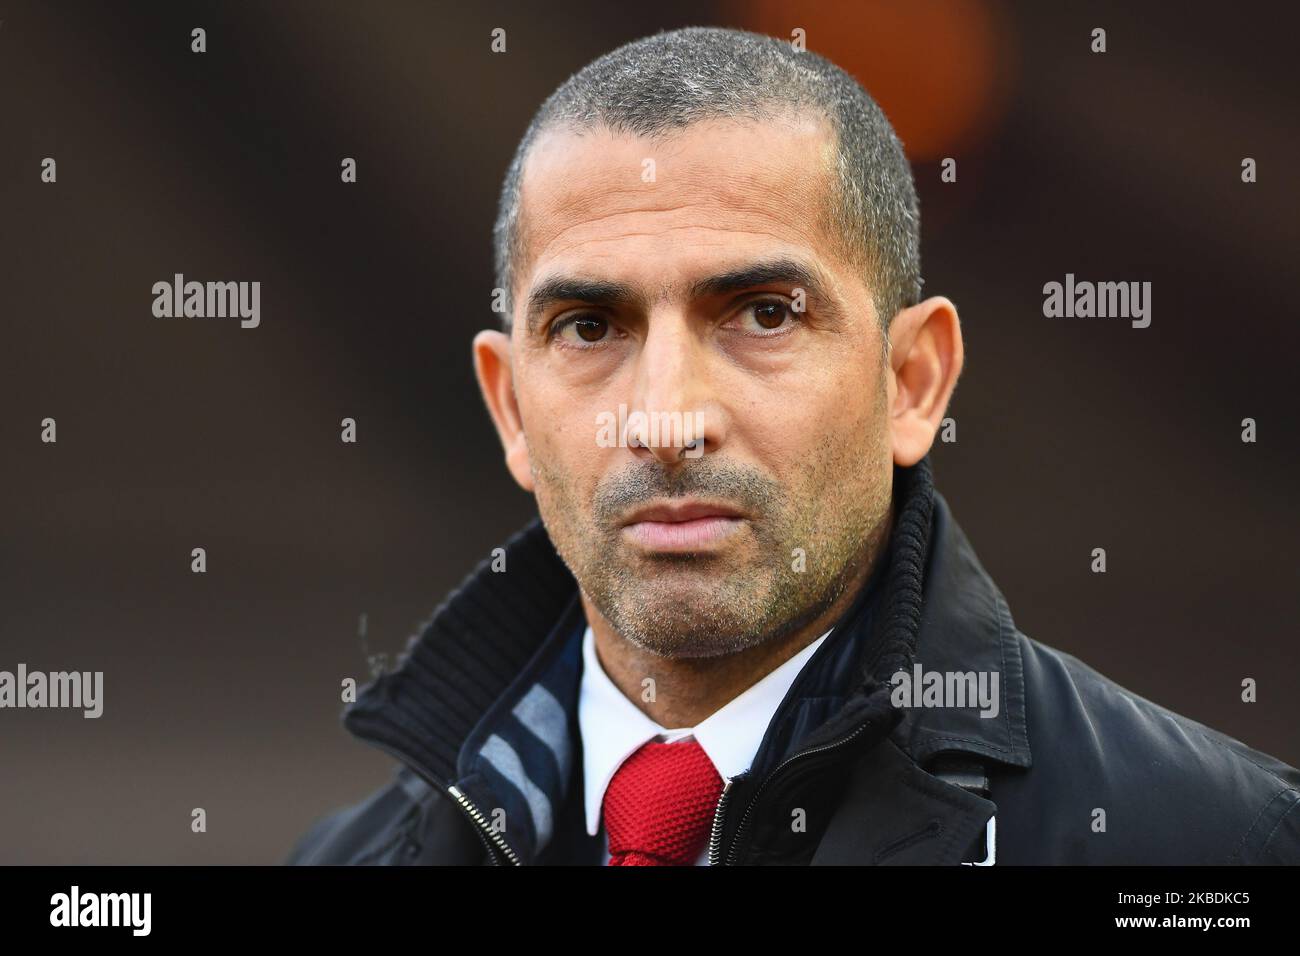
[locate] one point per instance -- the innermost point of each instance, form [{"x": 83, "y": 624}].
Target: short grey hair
[{"x": 665, "y": 82}]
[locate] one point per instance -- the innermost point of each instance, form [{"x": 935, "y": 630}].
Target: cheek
[
  {"x": 561, "y": 438},
  {"x": 821, "y": 435},
  {"x": 796, "y": 417}
]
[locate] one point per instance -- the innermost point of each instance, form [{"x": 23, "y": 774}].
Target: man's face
[{"x": 674, "y": 269}]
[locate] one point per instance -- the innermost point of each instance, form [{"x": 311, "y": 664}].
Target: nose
[{"x": 675, "y": 393}]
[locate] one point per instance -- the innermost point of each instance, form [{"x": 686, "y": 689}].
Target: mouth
[{"x": 681, "y": 526}]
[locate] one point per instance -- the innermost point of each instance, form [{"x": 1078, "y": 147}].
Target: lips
[
  {"x": 683, "y": 526},
  {"x": 675, "y": 512}
]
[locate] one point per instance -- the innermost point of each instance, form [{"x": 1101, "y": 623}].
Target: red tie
[{"x": 659, "y": 805}]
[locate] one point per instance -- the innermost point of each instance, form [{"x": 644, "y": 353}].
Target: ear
[
  {"x": 926, "y": 359},
  {"x": 496, "y": 380}
]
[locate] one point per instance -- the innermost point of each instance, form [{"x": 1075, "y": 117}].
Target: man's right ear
[{"x": 496, "y": 379}]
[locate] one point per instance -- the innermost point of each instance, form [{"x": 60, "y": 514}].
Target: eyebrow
[
  {"x": 573, "y": 289},
  {"x": 772, "y": 272},
  {"x": 783, "y": 271}
]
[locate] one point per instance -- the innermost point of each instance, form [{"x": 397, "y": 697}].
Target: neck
[{"x": 687, "y": 690}]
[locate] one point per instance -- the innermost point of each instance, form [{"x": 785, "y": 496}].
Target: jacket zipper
[
  {"x": 715, "y": 835},
  {"x": 715, "y": 848},
  {"x": 491, "y": 837}
]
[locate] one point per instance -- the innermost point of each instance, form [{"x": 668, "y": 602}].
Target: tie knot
[{"x": 659, "y": 805}]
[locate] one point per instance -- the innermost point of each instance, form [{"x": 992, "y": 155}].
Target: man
[{"x": 761, "y": 638}]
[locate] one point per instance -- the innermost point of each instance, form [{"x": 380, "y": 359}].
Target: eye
[
  {"x": 767, "y": 316},
  {"x": 581, "y": 330}
]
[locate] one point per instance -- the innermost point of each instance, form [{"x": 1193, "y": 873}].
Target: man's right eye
[{"x": 581, "y": 330}]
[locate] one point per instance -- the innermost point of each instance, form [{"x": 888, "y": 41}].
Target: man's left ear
[{"x": 926, "y": 359}]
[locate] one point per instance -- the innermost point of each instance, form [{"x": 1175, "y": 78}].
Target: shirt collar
[{"x": 613, "y": 728}]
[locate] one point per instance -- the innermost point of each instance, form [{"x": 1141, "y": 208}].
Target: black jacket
[{"x": 481, "y": 714}]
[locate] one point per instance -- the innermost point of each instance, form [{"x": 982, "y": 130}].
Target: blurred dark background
[{"x": 222, "y": 689}]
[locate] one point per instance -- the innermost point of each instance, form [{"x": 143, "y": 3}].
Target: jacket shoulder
[
  {"x": 1171, "y": 789},
  {"x": 402, "y": 823}
]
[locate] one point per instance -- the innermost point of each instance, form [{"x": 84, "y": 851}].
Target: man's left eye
[{"x": 766, "y": 315}]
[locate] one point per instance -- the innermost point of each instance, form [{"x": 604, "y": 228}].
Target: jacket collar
[
  {"x": 485, "y": 695},
  {"x": 966, "y": 626}
]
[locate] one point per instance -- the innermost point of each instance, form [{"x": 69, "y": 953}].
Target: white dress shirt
[{"x": 613, "y": 728}]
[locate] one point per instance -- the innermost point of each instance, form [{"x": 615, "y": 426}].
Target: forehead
[{"x": 715, "y": 192}]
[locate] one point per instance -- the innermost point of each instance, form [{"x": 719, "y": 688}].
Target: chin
[
  {"x": 685, "y": 645},
  {"x": 685, "y": 620}
]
